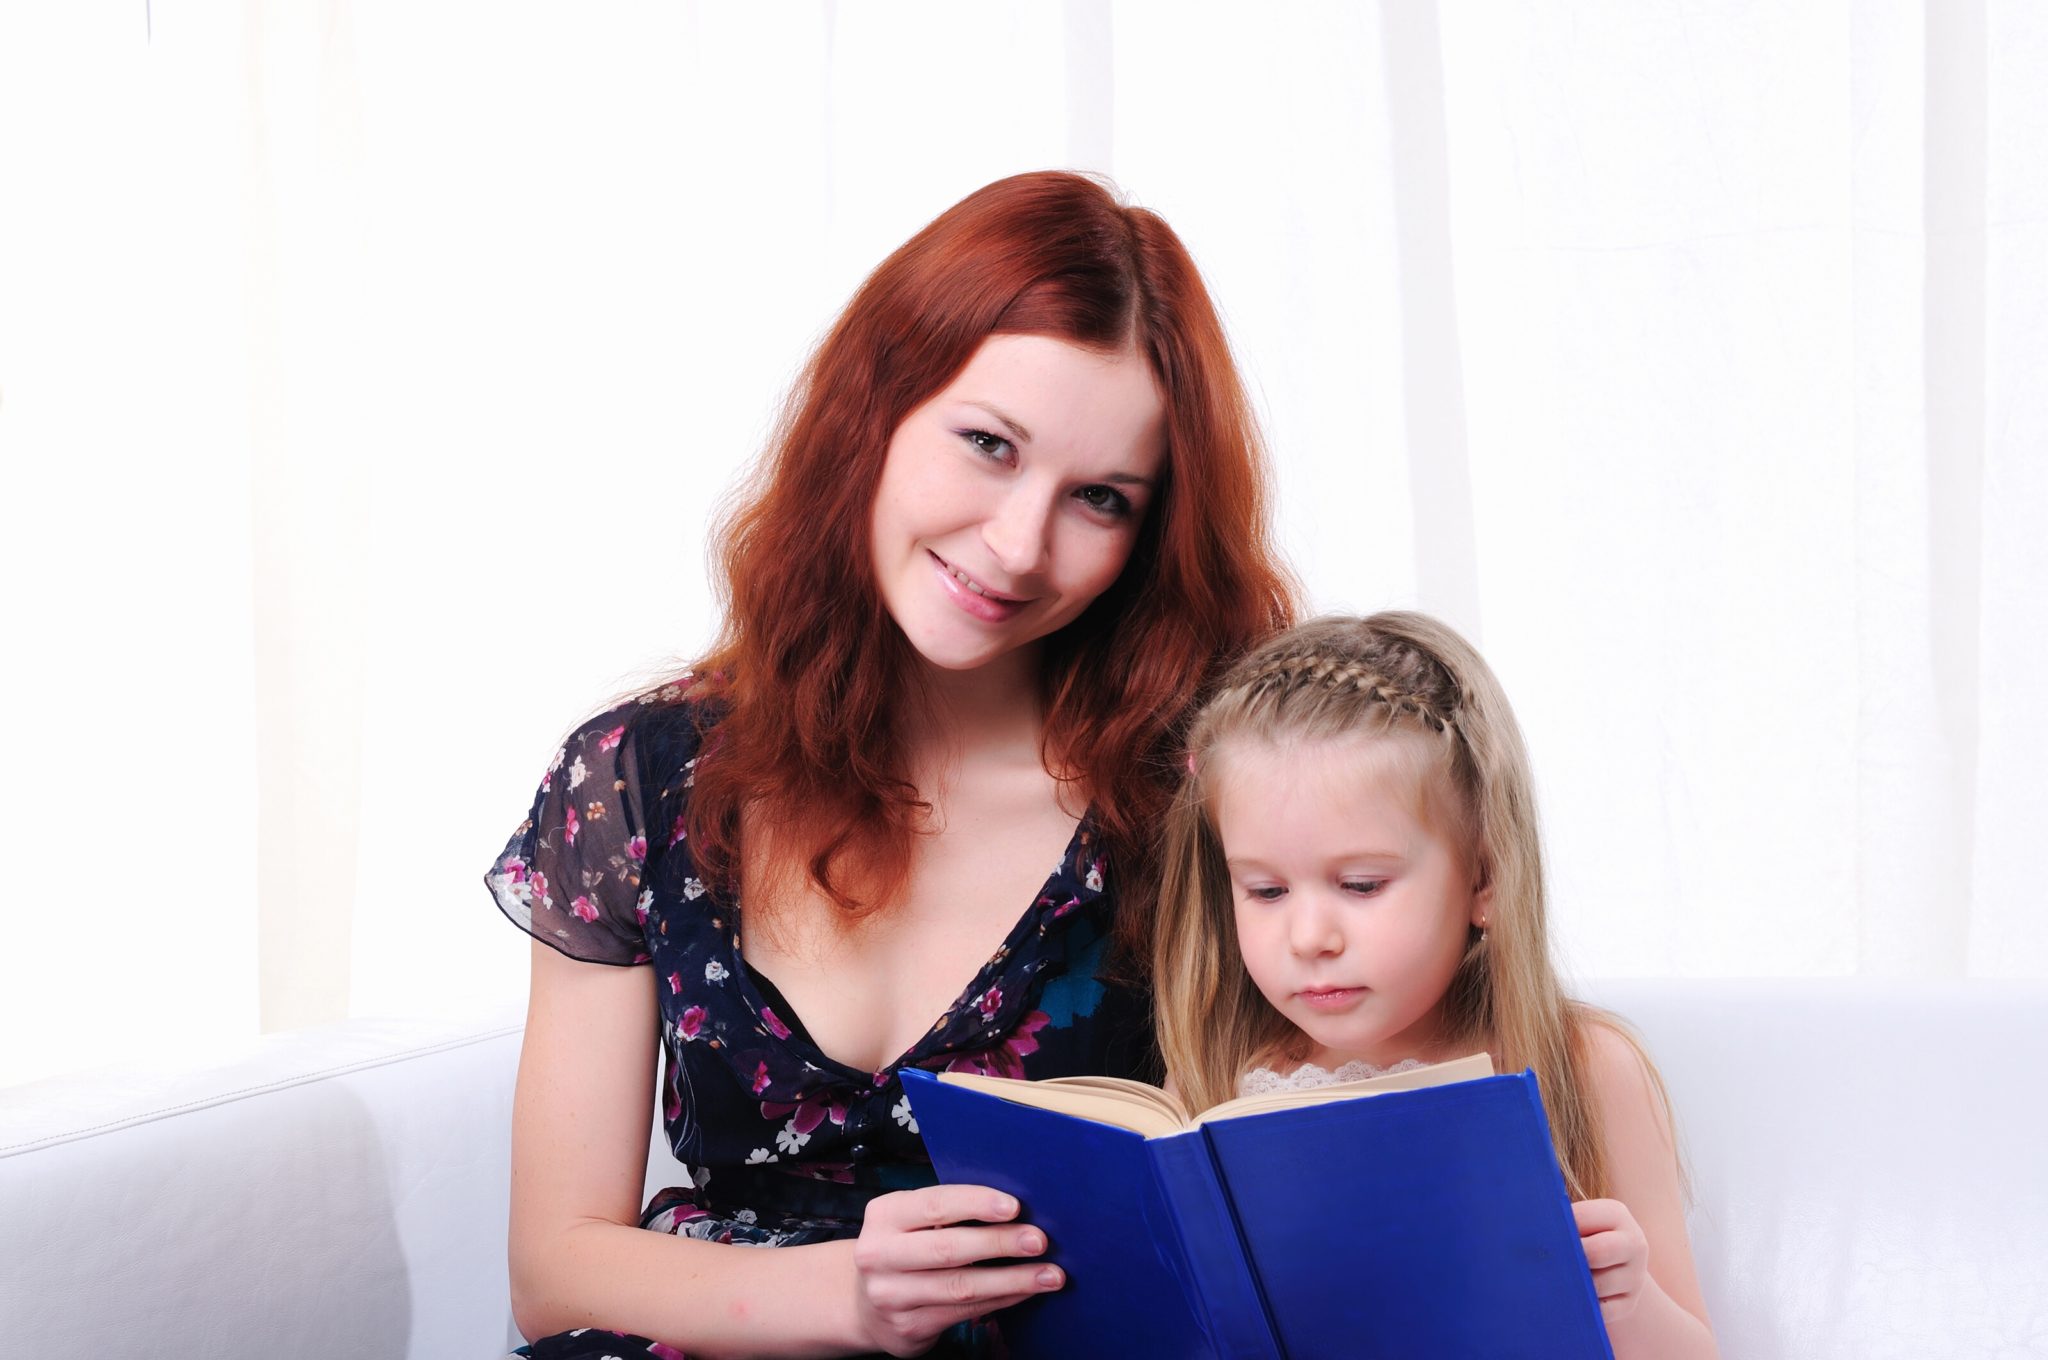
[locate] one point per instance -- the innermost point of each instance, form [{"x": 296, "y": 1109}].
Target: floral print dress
[{"x": 776, "y": 1143}]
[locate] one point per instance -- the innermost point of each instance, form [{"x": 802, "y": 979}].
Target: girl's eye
[
  {"x": 1105, "y": 500},
  {"x": 1364, "y": 887},
  {"x": 1266, "y": 892},
  {"x": 990, "y": 446}
]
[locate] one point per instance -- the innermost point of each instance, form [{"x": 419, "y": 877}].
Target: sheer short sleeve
[{"x": 571, "y": 874}]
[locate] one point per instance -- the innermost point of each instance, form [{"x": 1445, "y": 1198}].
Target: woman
[{"x": 1011, "y": 524}]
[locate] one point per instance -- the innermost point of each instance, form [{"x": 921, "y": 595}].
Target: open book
[
  {"x": 1149, "y": 1111},
  {"x": 1418, "y": 1214}
]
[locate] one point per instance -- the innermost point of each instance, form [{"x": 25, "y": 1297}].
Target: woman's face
[{"x": 1012, "y": 498}]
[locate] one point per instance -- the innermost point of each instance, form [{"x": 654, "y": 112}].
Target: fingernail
[
  {"x": 1048, "y": 1278},
  {"x": 1031, "y": 1242},
  {"x": 1006, "y": 1204}
]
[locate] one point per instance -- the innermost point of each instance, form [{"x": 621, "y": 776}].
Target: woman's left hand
[{"x": 1618, "y": 1253}]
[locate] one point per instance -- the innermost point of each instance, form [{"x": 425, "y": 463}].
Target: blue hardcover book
[{"x": 1409, "y": 1224}]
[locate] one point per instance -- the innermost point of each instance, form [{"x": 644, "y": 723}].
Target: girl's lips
[
  {"x": 1331, "y": 998},
  {"x": 975, "y": 599}
]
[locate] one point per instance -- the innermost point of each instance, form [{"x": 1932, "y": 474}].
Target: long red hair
[{"x": 806, "y": 679}]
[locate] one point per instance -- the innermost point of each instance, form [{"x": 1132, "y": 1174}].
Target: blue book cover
[{"x": 1418, "y": 1223}]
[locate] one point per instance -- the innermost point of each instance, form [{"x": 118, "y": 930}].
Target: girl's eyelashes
[
  {"x": 1364, "y": 887},
  {"x": 1266, "y": 892}
]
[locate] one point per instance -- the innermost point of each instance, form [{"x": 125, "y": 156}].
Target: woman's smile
[{"x": 990, "y": 606}]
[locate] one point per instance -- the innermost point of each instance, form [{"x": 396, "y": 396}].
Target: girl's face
[
  {"x": 1012, "y": 498},
  {"x": 1353, "y": 900}
]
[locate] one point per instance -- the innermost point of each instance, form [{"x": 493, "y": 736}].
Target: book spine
[{"x": 1221, "y": 1286}]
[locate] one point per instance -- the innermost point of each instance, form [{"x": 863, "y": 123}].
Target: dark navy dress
[{"x": 778, "y": 1144}]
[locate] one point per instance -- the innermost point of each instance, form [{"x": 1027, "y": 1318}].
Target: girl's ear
[{"x": 1482, "y": 900}]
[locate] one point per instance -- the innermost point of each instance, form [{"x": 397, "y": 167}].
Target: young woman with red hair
[{"x": 1010, "y": 528}]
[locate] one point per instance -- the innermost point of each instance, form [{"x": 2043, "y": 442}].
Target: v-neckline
[{"x": 800, "y": 1035}]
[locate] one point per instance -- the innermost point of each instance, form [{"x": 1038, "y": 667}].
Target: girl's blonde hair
[{"x": 1397, "y": 674}]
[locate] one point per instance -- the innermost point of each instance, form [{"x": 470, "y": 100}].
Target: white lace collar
[{"x": 1261, "y": 1080}]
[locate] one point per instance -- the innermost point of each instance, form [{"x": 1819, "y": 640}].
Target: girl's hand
[
  {"x": 1618, "y": 1252},
  {"x": 915, "y": 1275}
]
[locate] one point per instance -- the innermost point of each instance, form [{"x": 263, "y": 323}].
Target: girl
[
  {"x": 1353, "y": 884},
  {"x": 1012, "y": 520}
]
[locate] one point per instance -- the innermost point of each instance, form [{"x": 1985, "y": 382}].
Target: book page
[
  {"x": 1438, "y": 1074},
  {"x": 1116, "y": 1101}
]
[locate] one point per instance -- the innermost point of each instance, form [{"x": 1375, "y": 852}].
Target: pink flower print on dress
[
  {"x": 774, "y": 1023},
  {"x": 611, "y": 738},
  {"x": 640, "y": 907},
  {"x": 676, "y": 834},
  {"x": 540, "y": 890},
  {"x": 691, "y": 1023},
  {"x": 990, "y": 1002},
  {"x": 584, "y": 908},
  {"x": 661, "y": 1351},
  {"x": 569, "y": 824},
  {"x": 675, "y": 984},
  {"x": 807, "y": 1113},
  {"x": 636, "y": 848},
  {"x": 760, "y": 1078},
  {"x": 1007, "y": 1058}
]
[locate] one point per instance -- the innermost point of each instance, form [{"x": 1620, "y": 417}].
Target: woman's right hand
[{"x": 914, "y": 1263}]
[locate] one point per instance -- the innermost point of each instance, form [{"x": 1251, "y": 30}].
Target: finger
[
  {"x": 950, "y": 1248},
  {"x": 939, "y": 1205},
  {"x": 974, "y": 1290},
  {"x": 1604, "y": 1250},
  {"x": 930, "y": 1322},
  {"x": 1597, "y": 1215}
]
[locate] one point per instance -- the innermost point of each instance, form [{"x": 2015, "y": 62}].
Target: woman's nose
[{"x": 1018, "y": 531}]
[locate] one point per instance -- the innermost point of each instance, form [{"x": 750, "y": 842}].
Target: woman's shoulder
[{"x": 655, "y": 730}]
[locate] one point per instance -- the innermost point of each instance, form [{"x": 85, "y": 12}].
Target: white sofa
[{"x": 1868, "y": 1160}]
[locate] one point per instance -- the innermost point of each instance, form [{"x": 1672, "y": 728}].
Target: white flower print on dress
[
  {"x": 904, "y": 1117},
  {"x": 577, "y": 774},
  {"x": 746, "y": 1216},
  {"x": 760, "y": 1157},
  {"x": 714, "y": 971},
  {"x": 1094, "y": 878},
  {"x": 789, "y": 1140},
  {"x": 692, "y": 889}
]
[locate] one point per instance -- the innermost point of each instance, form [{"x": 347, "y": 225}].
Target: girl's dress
[{"x": 779, "y": 1144}]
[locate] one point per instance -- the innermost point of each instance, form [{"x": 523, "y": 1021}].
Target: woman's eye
[
  {"x": 992, "y": 446},
  {"x": 1105, "y": 500}
]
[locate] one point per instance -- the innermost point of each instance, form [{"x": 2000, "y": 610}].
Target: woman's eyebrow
[{"x": 1016, "y": 425}]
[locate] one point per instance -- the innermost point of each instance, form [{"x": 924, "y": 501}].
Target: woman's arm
[
  {"x": 580, "y": 1123},
  {"x": 1636, "y": 1240}
]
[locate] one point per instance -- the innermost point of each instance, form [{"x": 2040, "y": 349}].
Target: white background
[{"x": 371, "y": 371}]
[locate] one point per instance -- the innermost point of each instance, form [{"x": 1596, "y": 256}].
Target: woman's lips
[
  {"x": 1331, "y": 998},
  {"x": 972, "y": 596}
]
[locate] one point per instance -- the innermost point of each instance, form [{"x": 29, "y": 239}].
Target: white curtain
[{"x": 370, "y": 371}]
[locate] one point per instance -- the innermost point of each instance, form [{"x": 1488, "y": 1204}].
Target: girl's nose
[
  {"x": 1018, "y": 531},
  {"x": 1312, "y": 929}
]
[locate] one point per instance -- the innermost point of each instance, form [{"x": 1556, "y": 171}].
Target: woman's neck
[{"x": 992, "y": 714}]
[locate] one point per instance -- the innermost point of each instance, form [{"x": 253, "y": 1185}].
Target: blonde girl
[{"x": 1353, "y": 882}]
